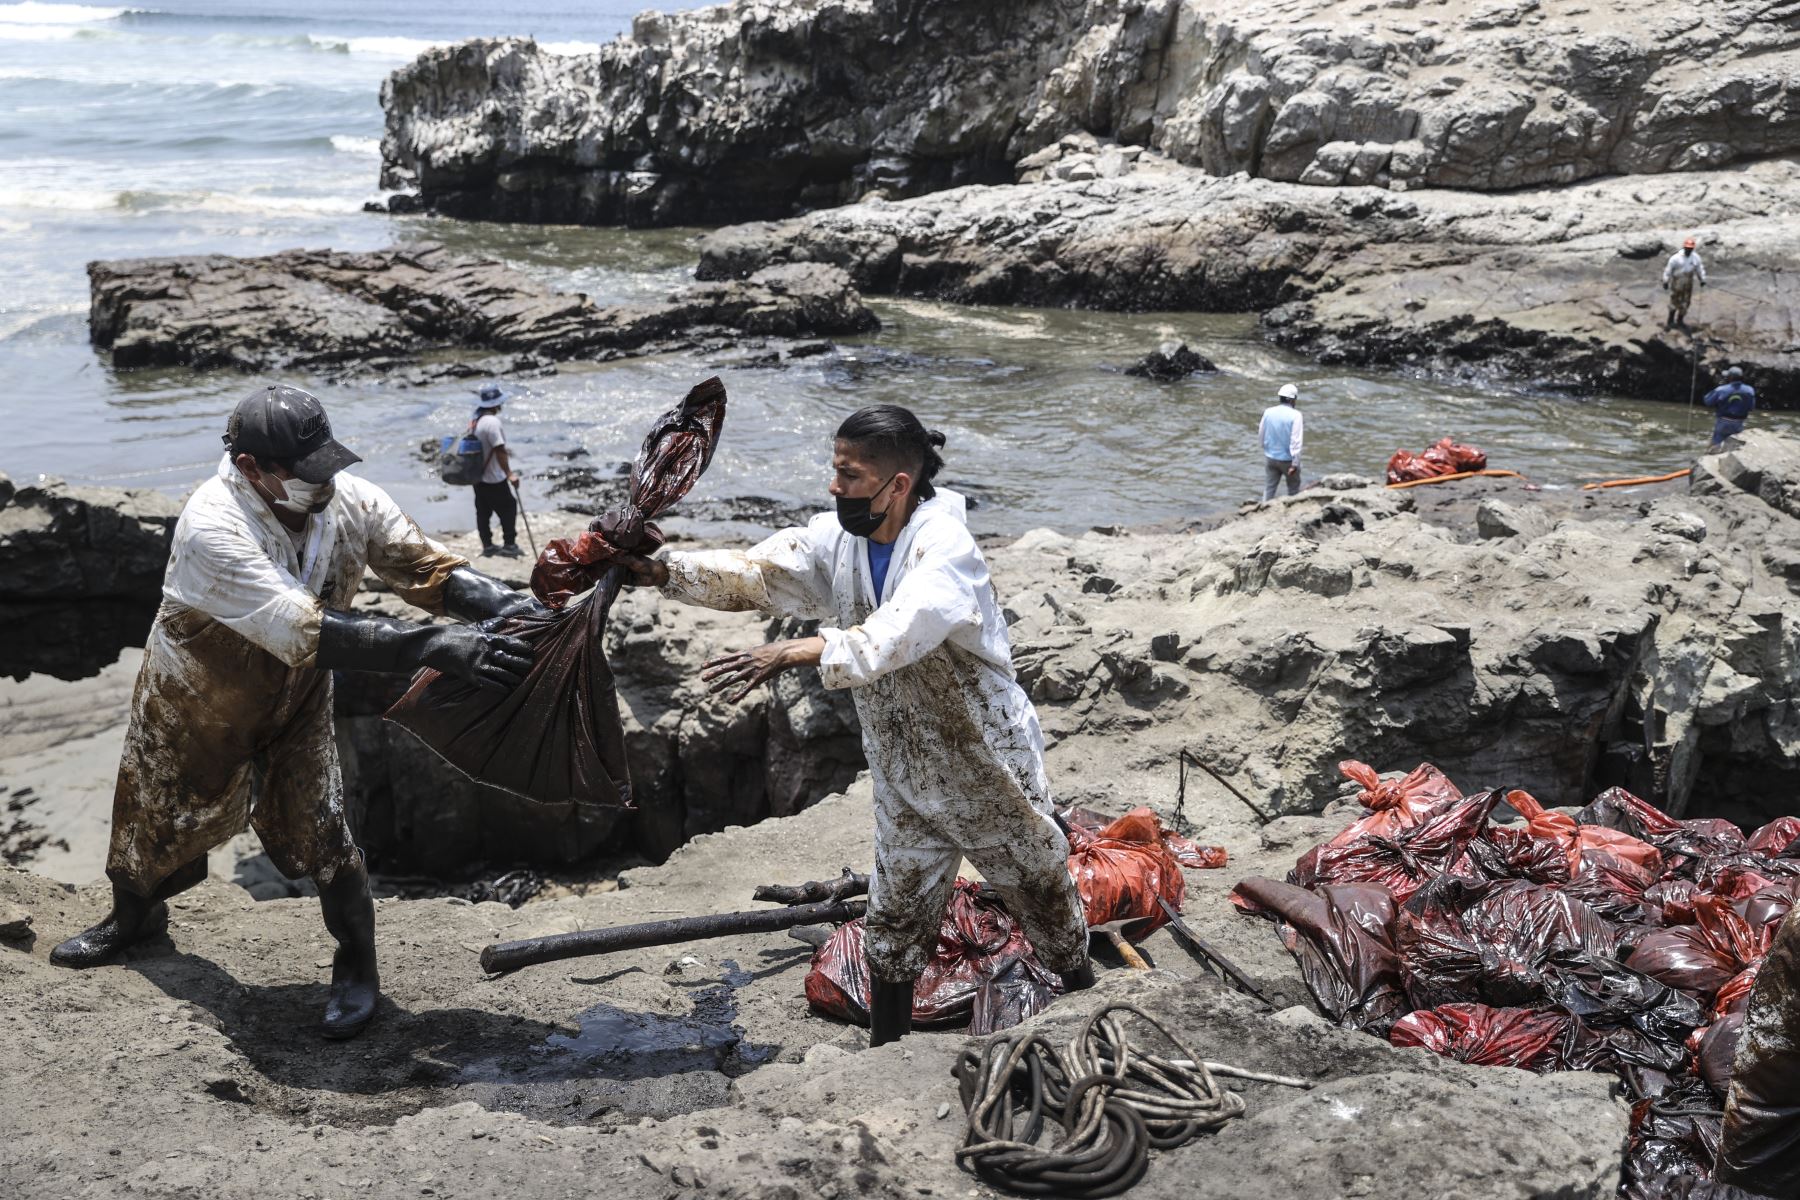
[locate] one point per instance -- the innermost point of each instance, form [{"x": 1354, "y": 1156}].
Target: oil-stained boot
[
  {"x": 355, "y": 983},
  {"x": 890, "y": 1010},
  {"x": 132, "y": 919}
]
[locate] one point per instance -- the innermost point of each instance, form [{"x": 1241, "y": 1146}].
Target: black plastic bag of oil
[{"x": 557, "y": 737}]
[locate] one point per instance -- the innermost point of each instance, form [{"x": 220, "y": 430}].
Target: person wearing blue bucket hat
[{"x": 494, "y": 491}]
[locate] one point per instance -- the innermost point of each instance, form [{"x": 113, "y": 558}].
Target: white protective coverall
[
  {"x": 228, "y": 695},
  {"x": 952, "y": 740}
]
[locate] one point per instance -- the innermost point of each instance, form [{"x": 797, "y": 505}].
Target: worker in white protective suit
[
  {"x": 231, "y": 715},
  {"x": 952, "y": 740}
]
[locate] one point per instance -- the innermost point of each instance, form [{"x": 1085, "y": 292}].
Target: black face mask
[{"x": 854, "y": 514}]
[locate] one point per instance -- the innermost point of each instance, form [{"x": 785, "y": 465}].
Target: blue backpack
[{"x": 460, "y": 460}]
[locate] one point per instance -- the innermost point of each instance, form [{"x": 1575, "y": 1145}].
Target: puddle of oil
[{"x": 613, "y": 1043}]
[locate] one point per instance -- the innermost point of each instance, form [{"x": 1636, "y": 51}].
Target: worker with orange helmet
[{"x": 1683, "y": 268}]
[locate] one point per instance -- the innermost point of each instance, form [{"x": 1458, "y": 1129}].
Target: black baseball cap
[{"x": 286, "y": 424}]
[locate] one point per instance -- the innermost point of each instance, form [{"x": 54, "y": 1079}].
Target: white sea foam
[
  {"x": 145, "y": 200},
  {"x": 343, "y": 143},
  {"x": 32, "y": 13},
  {"x": 569, "y": 47},
  {"x": 39, "y": 33},
  {"x": 373, "y": 47}
]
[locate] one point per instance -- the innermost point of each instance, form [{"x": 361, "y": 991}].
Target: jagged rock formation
[
  {"x": 80, "y": 573},
  {"x": 1557, "y": 288},
  {"x": 320, "y": 308},
  {"x": 1654, "y": 647},
  {"x": 757, "y": 109}
]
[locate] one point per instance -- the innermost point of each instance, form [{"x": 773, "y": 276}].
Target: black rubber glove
[
  {"x": 365, "y": 642},
  {"x": 471, "y": 596}
]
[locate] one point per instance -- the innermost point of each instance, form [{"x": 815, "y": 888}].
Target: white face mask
[{"x": 301, "y": 497}]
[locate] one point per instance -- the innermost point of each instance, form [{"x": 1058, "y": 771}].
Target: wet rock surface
[
  {"x": 1555, "y": 287},
  {"x": 757, "y": 109},
  {"x": 349, "y": 312},
  {"x": 1170, "y": 362}
]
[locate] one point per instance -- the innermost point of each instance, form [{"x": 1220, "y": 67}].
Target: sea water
[{"x": 249, "y": 126}]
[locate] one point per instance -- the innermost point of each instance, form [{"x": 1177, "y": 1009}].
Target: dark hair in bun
[{"x": 891, "y": 435}]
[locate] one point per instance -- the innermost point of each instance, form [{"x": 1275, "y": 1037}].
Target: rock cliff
[
  {"x": 80, "y": 573},
  {"x": 756, "y": 109}
]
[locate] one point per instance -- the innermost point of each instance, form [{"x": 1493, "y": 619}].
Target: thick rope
[{"x": 1112, "y": 1101}]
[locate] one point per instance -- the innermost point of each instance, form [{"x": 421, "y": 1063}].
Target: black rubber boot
[
  {"x": 132, "y": 919},
  {"x": 890, "y": 1010},
  {"x": 1080, "y": 979},
  {"x": 355, "y": 983}
]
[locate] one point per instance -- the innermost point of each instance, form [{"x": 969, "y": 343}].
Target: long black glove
[
  {"x": 365, "y": 642},
  {"x": 471, "y": 596}
]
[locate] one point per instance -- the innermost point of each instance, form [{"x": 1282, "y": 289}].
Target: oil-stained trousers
[
  {"x": 953, "y": 742},
  {"x": 230, "y": 720}
]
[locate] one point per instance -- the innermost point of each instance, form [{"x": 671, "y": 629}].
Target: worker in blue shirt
[{"x": 1733, "y": 400}]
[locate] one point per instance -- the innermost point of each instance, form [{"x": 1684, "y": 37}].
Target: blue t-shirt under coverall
[{"x": 880, "y": 556}]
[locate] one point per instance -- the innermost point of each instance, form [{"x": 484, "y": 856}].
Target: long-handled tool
[
  {"x": 1210, "y": 958},
  {"x": 1114, "y": 932},
  {"x": 525, "y": 517},
  {"x": 834, "y": 905}
]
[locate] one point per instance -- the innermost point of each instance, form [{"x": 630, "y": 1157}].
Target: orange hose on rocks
[
  {"x": 1612, "y": 483},
  {"x": 1447, "y": 478}
]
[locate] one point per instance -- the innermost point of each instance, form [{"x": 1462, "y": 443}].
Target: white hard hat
[{"x": 1289, "y": 392}]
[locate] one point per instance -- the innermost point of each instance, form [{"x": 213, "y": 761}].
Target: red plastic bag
[
  {"x": 1776, "y": 838},
  {"x": 556, "y": 737},
  {"x": 1574, "y": 837},
  {"x": 1531, "y": 1039},
  {"x": 1121, "y": 869},
  {"x": 983, "y": 967},
  {"x": 1684, "y": 957},
  {"x": 1618, "y": 809},
  {"x": 1443, "y": 457},
  {"x": 1500, "y": 852},
  {"x": 1405, "y": 861}
]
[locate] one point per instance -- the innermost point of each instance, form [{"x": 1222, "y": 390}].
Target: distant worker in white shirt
[
  {"x": 494, "y": 494},
  {"x": 1281, "y": 432},
  {"x": 1683, "y": 268}
]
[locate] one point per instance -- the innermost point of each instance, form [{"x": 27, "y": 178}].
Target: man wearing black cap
[{"x": 231, "y": 715}]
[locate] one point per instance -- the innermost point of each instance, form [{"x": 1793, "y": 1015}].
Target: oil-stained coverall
[
  {"x": 230, "y": 720},
  {"x": 953, "y": 742}
]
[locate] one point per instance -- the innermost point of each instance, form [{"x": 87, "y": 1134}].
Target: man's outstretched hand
[
  {"x": 736, "y": 674},
  {"x": 643, "y": 572}
]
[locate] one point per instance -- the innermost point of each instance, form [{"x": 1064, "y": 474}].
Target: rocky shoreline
[
  {"x": 1554, "y": 641},
  {"x": 1641, "y": 637},
  {"x": 386, "y": 311},
  {"x": 1483, "y": 191}
]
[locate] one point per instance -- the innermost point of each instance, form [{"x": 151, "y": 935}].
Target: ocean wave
[
  {"x": 344, "y": 143},
  {"x": 146, "y": 200},
  {"x": 45, "y": 33},
  {"x": 373, "y": 47},
  {"x": 32, "y": 13}
]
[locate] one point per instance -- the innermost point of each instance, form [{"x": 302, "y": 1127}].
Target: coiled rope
[{"x": 1113, "y": 1102}]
